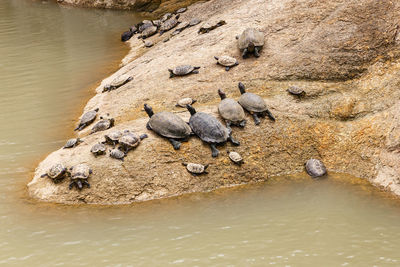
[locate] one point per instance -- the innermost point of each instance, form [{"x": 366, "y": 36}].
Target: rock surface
[{"x": 345, "y": 54}]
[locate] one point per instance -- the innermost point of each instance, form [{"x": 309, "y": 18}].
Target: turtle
[
  {"x": 103, "y": 124},
  {"x": 148, "y": 32},
  {"x": 125, "y": 36},
  {"x": 79, "y": 176},
  {"x": 144, "y": 25},
  {"x": 117, "y": 154},
  {"x": 183, "y": 70},
  {"x": 250, "y": 41},
  {"x": 315, "y": 168},
  {"x": 117, "y": 82},
  {"x": 227, "y": 61},
  {"x": 98, "y": 149},
  {"x": 166, "y": 17},
  {"x": 168, "y": 125},
  {"x": 235, "y": 157},
  {"x": 209, "y": 130},
  {"x": 195, "y": 168},
  {"x": 169, "y": 24},
  {"x": 157, "y": 22},
  {"x": 182, "y": 26},
  {"x": 148, "y": 43},
  {"x": 254, "y": 104},
  {"x": 56, "y": 173},
  {"x": 113, "y": 138},
  {"x": 296, "y": 91},
  {"x": 130, "y": 140},
  {"x": 181, "y": 10},
  {"x": 184, "y": 101},
  {"x": 231, "y": 111},
  {"x": 73, "y": 142},
  {"x": 87, "y": 119},
  {"x": 133, "y": 29},
  {"x": 194, "y": 21},
  {"x": 209, "y": 26}
]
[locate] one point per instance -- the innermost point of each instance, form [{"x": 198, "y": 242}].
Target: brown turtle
[
  {"x": 185, "y": 101},
  {"x": 226, "y": 61},
  {"x": 130, "y": 140},
  {"x": 195, "y": 168},
  {"x": 87, "y": 119},
  {"x": 103, "y": 124},
  {"x": 56, "y": 173},
  {"x": 231, "y": 111},
  {"x": 168, "y": 25},
  {"x": 73, "y": 142},
  {"x": 250, "y": 41},
  {"x": 183, "y": 70},
  {"x": 79, "y": 176}
]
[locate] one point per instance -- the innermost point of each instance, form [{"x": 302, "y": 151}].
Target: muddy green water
[{"x": 49, "y": 58}]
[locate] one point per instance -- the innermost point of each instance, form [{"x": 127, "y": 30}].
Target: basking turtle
[
  {"x": 148, "y": 32},
  {"x": 231, "y": 111},
  {"x": 98, "y": 149},
  {"x": 144, "y": 25},
  {"x": 168, "y": 125},
  {"x": 117, "y": 82},
  {"x": 209, "y": 129},
  {"x": 87, "y": 119},
  {"x": 103, "y": 124},
  {"x": 169, "y": 24},
  {"x": 56, "y": 173},
  {"x": 254, "y": 104},
  {"x": 112, "y": 138},
  {"x": 181, "y": 10},
  {"x": 209, "y": 26},
  {"x": 315, "y": 168},
  {"x": 195, "y": 168},
  {"x": 227, "y": 61},
  {"x": 130, "y": 140},
  {"x": 194, "y": 21},
  {"x": 235, "y": 157},
  {"x": 297, "y": 91},
  {"x": 73, "y": 142},
  {"x": 79, "y": 176},
  {"x": 250, "y": 41},
  {"x": 183, "y": 70},
  {"x": 166, "y": 17},
  {"x": 185, "y": 101},
  {"x": 125, "y": 36},
  {"x": 117, "y": 154},
  {"x": 182, "y": 26}
]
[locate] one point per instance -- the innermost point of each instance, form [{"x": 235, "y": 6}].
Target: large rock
[{"x": 343, "y": 53}]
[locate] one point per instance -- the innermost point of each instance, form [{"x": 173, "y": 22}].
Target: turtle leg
[
  {"x": 86, "y": 183},
  {"x": 256, "y": 52},
  {"x": 195, "y": 71},
  {"x": 269, "y": 114},
  {"x": 44, "y": 175},
  {"x": 214, "y": 151},
  {"x": 143, "y": 136},
  {"x": 171, "y": 73},
  {"x": 256, "y": 119},
  {"x": 71, "y": 185},
  {"x": 174, "y": 143},
  {"x": 227, "y": 68},
  {"x": 233, "y": 141},
  {"x": 148, "y": 126},
  {"x": 244, "y": 54},
  {"x": 242, "y": 123}
]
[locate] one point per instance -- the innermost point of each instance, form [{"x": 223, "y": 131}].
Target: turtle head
[
  {"x": 241, "y": 88},
  {"x": 191, "y": 109},
  {"x": 222, "y": 95},
  {"x": 250, "y": 47},
  {"x": 148, "y": 110},
  {"x": 96, "y": 109}
]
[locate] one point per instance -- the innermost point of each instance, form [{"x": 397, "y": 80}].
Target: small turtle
[
  {"x": 144, "y": 25},
  {"x": 315, "y": 168},
  {"x": 87, "y": 119},
  {"x": 125, "y": 36},
  {"x": 168, "y": 125},
  {"x": 195, "y": 168},
  {"x": 250, "y": 41},
  {"x": 73, "y": 142},
  {"x": 79, "y": 176},
  {"x": 166, "y": 17},
  {"x": 166, "y": 39},
  {"x": 117, "y": 82},
  {"x": 194, "y": 22},
  {"x": 103, "y": 124},
  {"x": 231, "y": 111},
  {"x": 182, "y": 26},
  {"x": 148, "y": 32},
  {"x": 254, "y": 104},
  {"x": 185, "y": 101},
  {"x": 297, "y": 91},
  {"x": 181, "y": 10},
  {"x": 169, "y": 24},
  {"x": 117, "y": 154},
  {"x": 130, "y": 140},
  {"x": 209, "y": 26},
  {"x": 148, "y": 43},
  {"x": 56, "y": 173},
  {"x": 235, "y": 157},
  {"x": 98, "y": 149},
  {"x": 112, "y": 138},
  {"x": 227, "y": 61},
  {"x": 209, "y": 130},
  {"x": 183, "y": 70}
]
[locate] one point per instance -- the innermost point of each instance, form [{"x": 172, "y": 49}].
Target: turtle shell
[
  {"x": 168, "y": 24},
  {"x": 182, "y": 26},
  {"x": 295, "y": 90},
  {"x": 235, "y": 157},
  {"x": 88, "y": 117},
  {"x": 98, "y": 149},
  {"x": 117, "y": 154},
  {"x": 194, "y": 21},
  {"x": 129, "y": 140},
  {"x": 121, "y": 80},
  {"x": 80, "y": 171},
  {"x": 113, "y": 136},
  {"x": 157, "y": 22},
  {"x": 166, "y": 17},
  {"x": 102, "y": 125},
  {"x": 149, "y": 31},
  {"x": 250, "y": 35},
  {"x": 252, "y": 102},
  {"x": 227, "y": 61},
  {"x": 73, "y": 142},
  {"x": 183, "y": 70},
  {"x": 185, "y": 101},
  {"x": 208, "y": 128},
  {"x": 146, "y": 24},
  {"x": 169, "y": 125},
  {"x": 181, "y": 10},
  {"x": 195, "y": 168},
  {"x": 315, "y": 168},
  {"x": 56, "y": 171},
  {"x": 231, "y": 110}
]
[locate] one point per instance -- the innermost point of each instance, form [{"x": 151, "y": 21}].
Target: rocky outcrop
[{"x": 343, "y": 53}]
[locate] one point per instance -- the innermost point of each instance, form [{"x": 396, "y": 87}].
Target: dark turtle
[
  {"x": 231, "y": 111},
  {"x": 112, "y": 138},
  {"x": 73, "y": 142},
  {"x": 56, "y": 173},
  {"x": 87, "y": 119},
  {"x": 168, "y": 125},
  {"x": 125, "y": 36},
  {"x": 168, "y": 25},
  {"x": 194, "y": 22},
  {"x": 181, "y": 10},
  {"x": 183, "y": 70},
  {"x": 209, "y": 129},
  {"x": 235, "y": 157},
  {"x": 227, "y": 61},
  {"x": 185, "y": 101},
  {"x": 297, "y": 91},
  {"x": 315, "y": 168},
  {"x": 79, "y": 176},
  {"x": 130, "y": 140},
  {"x": 144, "y": 25},
  {"x": 98, "y": 149},
  {"x": 166, "y": 17},
  {"x": 148, "y": 32},
  {"x": 250, "y": 41},
  {"x": 210, "y": 25},
  {"x": 254, "y": 104},
  {"x": 117, "y": 154},
  {"x": 117, "y": 82},
  {"x": 103, "y": 124},
  {"x": 195, "y": 168}
]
